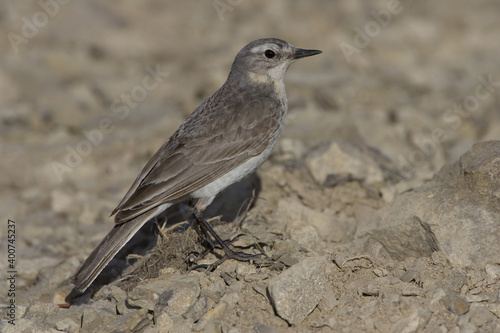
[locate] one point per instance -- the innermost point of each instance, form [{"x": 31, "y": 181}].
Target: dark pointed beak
[{"x": 302, "y": 53}]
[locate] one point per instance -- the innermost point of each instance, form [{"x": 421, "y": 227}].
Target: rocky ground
[{"x": 379, "y": 212}]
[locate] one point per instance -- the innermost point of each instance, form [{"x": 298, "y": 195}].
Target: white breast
[{"x": 237, "y": 173}]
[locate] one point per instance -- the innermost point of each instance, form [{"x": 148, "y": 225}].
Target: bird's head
[{"x": 269, "y": 57}]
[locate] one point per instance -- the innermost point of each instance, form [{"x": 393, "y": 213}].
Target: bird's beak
[{"x": 301, "y": 53}]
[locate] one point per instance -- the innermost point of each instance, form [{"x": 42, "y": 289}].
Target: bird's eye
[{"x": 269, "y": 54}]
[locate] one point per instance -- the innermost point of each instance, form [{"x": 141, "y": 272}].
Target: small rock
[
  {"x": 419, "y": 243},
  {"x": 455, "y": 279},
  {"x": 29, "y": 269},
  {"x": 94, "y": 318},
  {"x": 380, "y": 272},
  {"x": 134, "y": 321},
  {"x": 467, "y": 328},
  {"x": 260, "y": 288},
  {"x": 436, "y": 303},
  {"x": 300, "y": 219},
  {"x": 179, "y": 296},
  {"x": 164, "y": 322},
  {"x": 341, "y": 159},
  {"x": 410, "y": 275},
  {"x": 21, "y": 310},
  {"x": 120, "y": 296},
  {"x": 371, "y": 289},
  {"x": 382, "y": 325},
  {"x": 493, "y": 273},
  {"x": 388, "y": 193},
  {"x": 261, "y": 328},
  {"x": 415, "y": 322},
  {"x": 305, "y": 235},
  {"x": 298, "y": 290},
  {"x": 480, "y": 316},
  {"x": 495, "y": 309},
  {"x": 286, "y": 245},
  {"x": 39, "y": 311},
  {"x": 26, "y": 325},
  {"x": 476, "y": 291},
  {"x": 59, "y": 297},
  {"x": 243, "y": 270},
  {"x": 198, "y": 309},
  {"x": 477, "y": 298},
  {"x": 82, "y": 313},
  {"x": 289, "y": 150},
  {"x": 411, "y": 290},
  {"x": 328, "y": 301},
  {"x": 368, "y": 310},
  {"x": 67, "y": 325},
  {"x": 213, "y": 287},
  {"x": 175, "y": 293},
  {"x": 208, "y": 320},
  {"x": 327, "y": 322},
  {"x": 232, "y": 295},
  {"x": 459, "y": 305},
  {"x": 185, "y": 326}
]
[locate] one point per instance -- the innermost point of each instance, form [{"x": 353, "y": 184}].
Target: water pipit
[{"x": 225, "y": 139}]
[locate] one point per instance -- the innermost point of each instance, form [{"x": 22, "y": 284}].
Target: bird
[{"x": 227, "y": 137}]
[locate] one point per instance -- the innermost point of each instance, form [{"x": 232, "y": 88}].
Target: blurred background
[{"x": 90, "y": 89}]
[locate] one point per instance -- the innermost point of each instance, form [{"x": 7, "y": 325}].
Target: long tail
[{"x": 106, "y": 250}]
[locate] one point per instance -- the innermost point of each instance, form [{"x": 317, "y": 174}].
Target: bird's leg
[
  {"x": 202, "y": 233},
  {"x": 229, "y": 254}
]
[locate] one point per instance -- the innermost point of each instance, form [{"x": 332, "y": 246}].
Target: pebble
[
  {"x": 459, "y": 305},
  {"x": 414, "y": 322}
]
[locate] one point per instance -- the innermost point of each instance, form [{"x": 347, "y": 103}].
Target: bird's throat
[{"x": 260, "y": 78}]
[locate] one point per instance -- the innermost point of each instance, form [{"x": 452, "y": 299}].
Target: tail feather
[
  {"x": 109, "y": 247},
  {"x": 105, "y": 251}
]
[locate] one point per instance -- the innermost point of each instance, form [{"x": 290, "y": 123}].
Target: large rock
[{"x": 458, "y": 212}]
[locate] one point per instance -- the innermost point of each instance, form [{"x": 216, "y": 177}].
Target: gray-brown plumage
[{"x": 226, "y": 138}]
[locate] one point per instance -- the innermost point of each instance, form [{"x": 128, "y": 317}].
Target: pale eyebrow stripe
[{"x": 260, "y": 48}]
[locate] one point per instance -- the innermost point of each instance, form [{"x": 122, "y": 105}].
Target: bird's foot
[
  {"x": 218, "y": 243},
  {"x": 259, "y": 259}
]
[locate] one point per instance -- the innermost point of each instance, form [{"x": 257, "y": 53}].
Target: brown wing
[{"x": 215, "y": 139}]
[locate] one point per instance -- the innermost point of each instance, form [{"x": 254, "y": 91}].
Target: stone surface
[
  {"x": 298, "y": 216},
  {"x": 414, "y": 322},
  {"x": 459, "y": 305},
  {"x": 298, "y": 290},
  {"x": 174, "y": 294},
  {"x": 67, "y": 325},
  {"x": 449, "y": 213},
  {"x": 342, "y": 161},
  {"x": 134, "y": 321}
]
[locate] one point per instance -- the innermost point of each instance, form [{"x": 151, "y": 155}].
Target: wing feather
[{"x": 202, "y": 150}]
